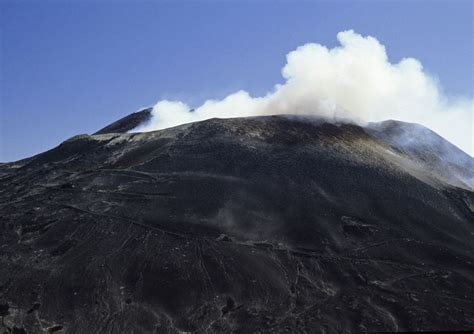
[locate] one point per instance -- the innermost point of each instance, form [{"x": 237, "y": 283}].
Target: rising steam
[{"x": 353, "y": 81}]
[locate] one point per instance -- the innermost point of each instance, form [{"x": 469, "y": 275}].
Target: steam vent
[{"x": 271, "y": 224}]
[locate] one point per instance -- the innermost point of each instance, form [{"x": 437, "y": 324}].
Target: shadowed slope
[{"x": 128, "y": 122}]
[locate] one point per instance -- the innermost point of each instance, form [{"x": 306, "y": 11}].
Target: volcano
[{"x": 264, "y": 224}]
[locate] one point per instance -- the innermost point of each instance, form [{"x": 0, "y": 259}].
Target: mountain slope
[
  {"x": 270, "y": 223},
  {"x": 428, "y": 150},
  {"x": 127, "y": 123}
]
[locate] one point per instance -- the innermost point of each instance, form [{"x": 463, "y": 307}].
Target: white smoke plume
[{"x": 354, "y": 81}]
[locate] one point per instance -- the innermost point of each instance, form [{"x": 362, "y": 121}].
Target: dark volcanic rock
[
  {"x": 269, "y": 224},
  {"x": 127, "y": 123},
  {"x": 427, "y": 149}
]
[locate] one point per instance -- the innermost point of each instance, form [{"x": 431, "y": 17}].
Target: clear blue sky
[{"x": 70, "y": 67}]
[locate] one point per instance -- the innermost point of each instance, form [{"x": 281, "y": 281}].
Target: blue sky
[{"x": 71, "y": 67}]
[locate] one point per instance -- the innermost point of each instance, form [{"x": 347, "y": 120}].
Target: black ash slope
[
  {"x": 267, "y": 224},
  {"x": 127, "y": 123}
]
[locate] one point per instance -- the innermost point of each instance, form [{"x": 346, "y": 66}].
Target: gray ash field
[{"x": 266, "y": 224}]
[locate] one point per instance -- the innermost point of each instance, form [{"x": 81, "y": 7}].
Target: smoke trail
[{"x": 354, "y": 81}]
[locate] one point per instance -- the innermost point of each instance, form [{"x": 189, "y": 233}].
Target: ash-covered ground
[{"x": 267, "y": 224}]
